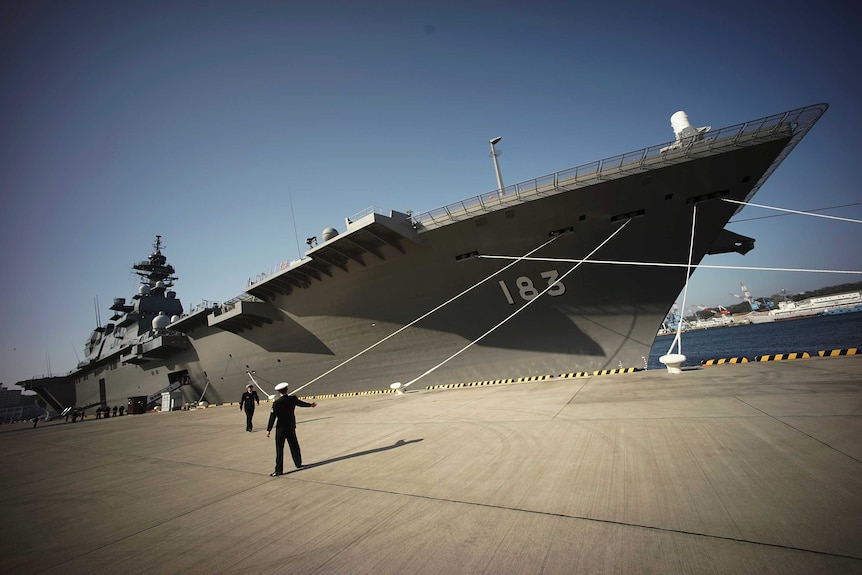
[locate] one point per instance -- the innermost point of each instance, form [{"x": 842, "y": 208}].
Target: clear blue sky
[{"x": 194, "y": 120}]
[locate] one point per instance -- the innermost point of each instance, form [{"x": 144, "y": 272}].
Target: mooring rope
[
  {"x": 226, "y": 367},
  {"x": 739, "y": 220},
  {"x": 671, "y": 265},
  {"x": 426, "y": 314},
  {"x": 516, "y": 312},
  {"x": 250, "y": 375},
  {"x": 677, "y": 340},
  {"x": 728, "y": 200},
  {"x": 204, "y": 391},
  {"x": 526, "y": 257}
]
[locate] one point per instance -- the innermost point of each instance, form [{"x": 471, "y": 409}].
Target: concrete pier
[{"x": 749, "y": 468}]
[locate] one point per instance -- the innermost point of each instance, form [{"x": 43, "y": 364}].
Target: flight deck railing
[
  {"x": 362, "y": 213},
  {"x": 793, "y": 123}
]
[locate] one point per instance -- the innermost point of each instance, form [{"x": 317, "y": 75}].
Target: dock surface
[{"x": 751, "y": 468}]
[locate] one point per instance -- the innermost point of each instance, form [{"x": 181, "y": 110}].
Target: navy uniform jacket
[
  {"x": 282, "y": 409},
  {"x": 248, "y": 400}
]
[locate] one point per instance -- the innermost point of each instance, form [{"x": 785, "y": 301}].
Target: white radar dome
[
  {"x": 682, "y": 128},
  {"x": 328, "y": 234},
  {"x": 175, "y": 318},
  {"x": 684, "y": 133},
  {"x": 161, "y": 321},
  {"x": 144, "y": 289},
  {"x": 160, "y": 284},
  {"x": 679, "y": 122}
]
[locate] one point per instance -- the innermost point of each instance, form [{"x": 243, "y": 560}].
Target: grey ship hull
[{"x": 386, "y": 271}]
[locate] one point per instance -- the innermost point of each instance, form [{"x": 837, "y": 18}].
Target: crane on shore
[{"x": 746, "y": 297}]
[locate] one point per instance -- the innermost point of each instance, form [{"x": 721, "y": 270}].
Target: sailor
[
  {"x": 283, "y": 410},
  {"x": 247, "y": 402}
]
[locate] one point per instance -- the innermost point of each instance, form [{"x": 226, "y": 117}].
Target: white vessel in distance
[{"x": 811, "y": 307}]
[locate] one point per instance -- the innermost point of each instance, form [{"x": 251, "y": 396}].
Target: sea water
[{"x": 788, "y": 336}]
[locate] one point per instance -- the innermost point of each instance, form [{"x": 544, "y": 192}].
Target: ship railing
[
  {"x": 285, "y": 264},
  {"x": 275, "y": 269},
  {"x": 205, "y": 304},
  {"x": 362, "y": 213},
  {"x": 794, "y": 123},
  {"x": 228, "y": 305},
  {"x": 32, "y": 379}
]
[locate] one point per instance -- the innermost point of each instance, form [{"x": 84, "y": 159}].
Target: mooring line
[
  {"x": 728, "y": 200},
  {"x": 423, "y": 316},
  {"x": 736, "y": 221},
  {"x": 669, "y": 265},
  {"x": 677, "y": 339},
  {"x": 250, "y": 374},
  {"x": 517, "y": 311}
]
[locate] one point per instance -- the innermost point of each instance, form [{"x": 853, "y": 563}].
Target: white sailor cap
[{"x": 281, "y": 386}]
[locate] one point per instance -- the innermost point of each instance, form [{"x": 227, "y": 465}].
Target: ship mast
[{"x": 155, "y": 268}]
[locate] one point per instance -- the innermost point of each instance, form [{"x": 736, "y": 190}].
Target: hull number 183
[{"x": 527, "y": 290}]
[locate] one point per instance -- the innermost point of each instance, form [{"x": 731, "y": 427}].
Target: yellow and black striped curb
[
  {"x": 615, "y": 371},
  {"x": 535, "y": 378},
  {"x": 707, "y": 362},
  {"x": 313, "y": 397},
  {"x": 837, "y": 352},
  {"x": 349, "y": 394},
  {"x": 781, "y": 356},
  {"x": 474, "y": 383}
]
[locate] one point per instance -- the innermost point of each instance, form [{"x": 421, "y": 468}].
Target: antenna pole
[
  {"x": 293, "y": 217},
  {"x": 494, "y": 154}
]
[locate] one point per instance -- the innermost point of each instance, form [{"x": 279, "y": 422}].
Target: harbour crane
[{"x": 746, "y": 297}]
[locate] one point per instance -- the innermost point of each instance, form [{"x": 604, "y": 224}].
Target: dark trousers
[
  {"x": 289, "y": 434},
  {"x": 249, "y": 413}
]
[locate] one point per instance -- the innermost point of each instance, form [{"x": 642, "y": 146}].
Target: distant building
[
  {"x": 15, "y": 406},
  {"x": 9, "y": 397}
]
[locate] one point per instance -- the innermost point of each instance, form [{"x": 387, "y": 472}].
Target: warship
[{"x": 542, "y": 278}]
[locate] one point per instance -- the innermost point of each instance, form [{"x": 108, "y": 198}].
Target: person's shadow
[{"x": 398, "y": 443}]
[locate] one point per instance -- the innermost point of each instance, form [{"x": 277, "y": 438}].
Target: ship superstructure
[
  {"x": 149, "y": 313},
  {"x": 447, "y": 295}
]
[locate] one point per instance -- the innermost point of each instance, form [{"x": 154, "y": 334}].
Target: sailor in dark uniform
[
  {"x": 283, "y": 410},
  {"x": 247, "y": 402}
]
